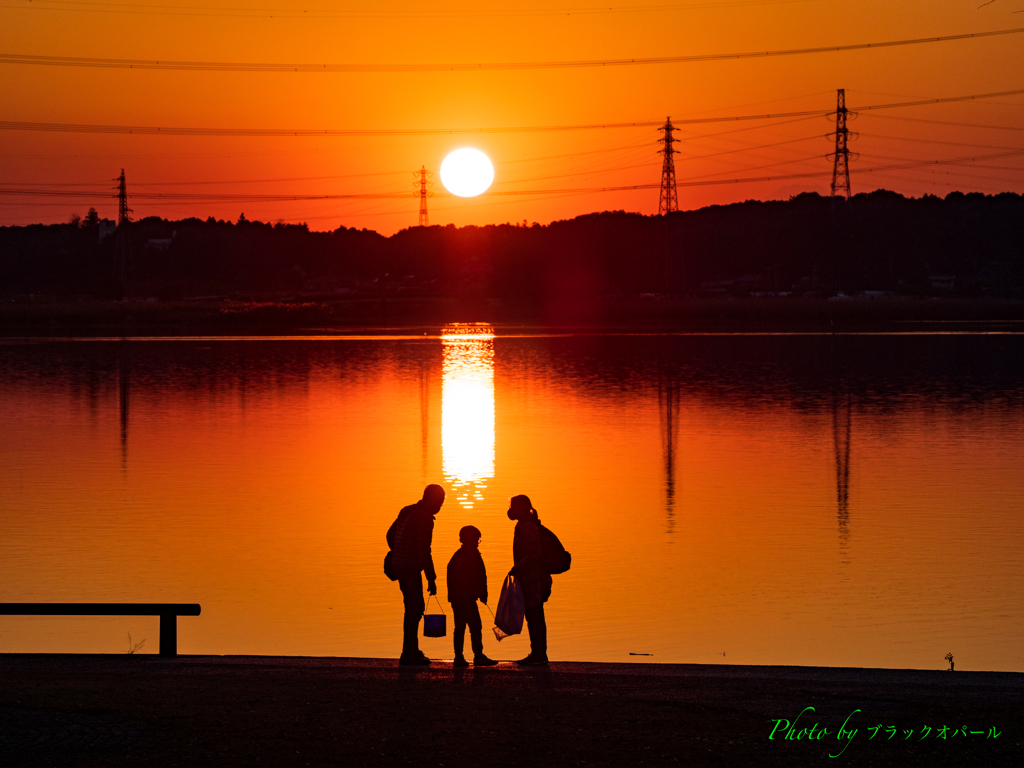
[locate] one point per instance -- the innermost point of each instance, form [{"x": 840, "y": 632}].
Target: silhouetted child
[{"x": 467, "y": 581}]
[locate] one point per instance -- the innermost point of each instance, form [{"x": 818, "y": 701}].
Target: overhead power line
[
  {"x": 377, "y": 13},
  {"x": 957, "y": 125},
  {"x": 13, "y": 125},
  {"x": 278, "y": 198},
  {"x": 867, "y": 108},
  {"x": 920, "y": 140},
  {"x": 209, "y": 197},
  {"x": 591, "y": 171},
  {"x": 225, "y": 66},
  {"x": 892, "y": 167}
]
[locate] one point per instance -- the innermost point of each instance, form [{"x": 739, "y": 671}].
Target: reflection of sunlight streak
[{"x": 467, "y": 410}]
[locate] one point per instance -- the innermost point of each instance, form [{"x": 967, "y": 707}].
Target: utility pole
[
  {"x": 424, "y": 186},
  {"x": 123, "y": 219},
  {"x": 669, "y": 202},
  {"x": 841, "y": 155}
]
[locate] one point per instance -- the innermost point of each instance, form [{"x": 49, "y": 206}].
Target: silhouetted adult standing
[
  {"x": 533, "y": 577},
  {"x": 409, "y": 538}
]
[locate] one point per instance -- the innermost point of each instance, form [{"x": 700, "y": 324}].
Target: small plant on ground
[
  {"x": 133, "y": 647},
  {"x": 949, "y": 658}
]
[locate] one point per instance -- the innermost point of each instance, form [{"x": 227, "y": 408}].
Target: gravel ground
[{"x": 85, "y": 710}]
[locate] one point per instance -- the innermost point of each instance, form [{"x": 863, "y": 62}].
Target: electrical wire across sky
[
  {"x": 215, "y": 66},
  {"x": 157, "y": 9},
  {"x": 13, "y": 125},
  {"x": 277, "y": 198}
]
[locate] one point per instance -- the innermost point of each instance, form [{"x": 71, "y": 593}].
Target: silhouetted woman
[{"x": 531, "y": 574}]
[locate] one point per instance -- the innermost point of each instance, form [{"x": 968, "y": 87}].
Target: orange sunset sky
[{"x": 540, "y": 175}]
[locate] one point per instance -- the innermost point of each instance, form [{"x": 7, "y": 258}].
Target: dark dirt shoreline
[{"x": 94, "y": 710}]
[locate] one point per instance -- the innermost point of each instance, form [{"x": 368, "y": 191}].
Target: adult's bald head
[{"x": 433, "y": 497}]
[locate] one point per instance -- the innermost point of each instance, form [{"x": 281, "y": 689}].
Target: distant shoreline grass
[{"x": 48, "y": 318}]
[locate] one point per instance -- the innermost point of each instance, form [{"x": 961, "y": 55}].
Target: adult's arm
[{"x": 426, "y": 536}]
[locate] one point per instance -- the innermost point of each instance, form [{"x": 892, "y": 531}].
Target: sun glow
[
  {"x": 467, "y": 411},
  {"x": 467, "y": 172}
]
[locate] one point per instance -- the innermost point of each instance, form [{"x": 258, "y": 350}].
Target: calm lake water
[{"x": 813, "y": 500}]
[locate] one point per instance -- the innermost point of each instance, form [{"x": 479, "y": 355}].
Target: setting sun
[{"x": 467, "y": 172}]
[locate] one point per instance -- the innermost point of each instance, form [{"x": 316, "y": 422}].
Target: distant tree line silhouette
[{"x": 964, "y": 244}]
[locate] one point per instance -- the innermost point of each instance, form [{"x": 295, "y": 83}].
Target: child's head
[{"x": 469, "y": 535}]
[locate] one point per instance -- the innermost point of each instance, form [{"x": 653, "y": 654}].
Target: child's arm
[{"x": 483, "y": 582}]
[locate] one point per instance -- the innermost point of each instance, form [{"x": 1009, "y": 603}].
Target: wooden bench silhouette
[{"x": 168, "y": 613}]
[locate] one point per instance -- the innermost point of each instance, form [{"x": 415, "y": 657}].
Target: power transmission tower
[
  {"x": 669, "y": 201},
  {"x": 424, "y": 185},
  {"x": 123, "y": 219},
  {"x": 841, "y": 156}
]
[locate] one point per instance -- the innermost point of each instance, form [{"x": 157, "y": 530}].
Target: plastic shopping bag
[{"x": 508, "y": 620}]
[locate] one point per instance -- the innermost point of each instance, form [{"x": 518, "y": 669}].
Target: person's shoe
[
  {"x": 532, "y": 661},
  {"x": 460, "y": 661},
  {"x": 418, "y": 660},
  {"x": 482, "y": 661}
]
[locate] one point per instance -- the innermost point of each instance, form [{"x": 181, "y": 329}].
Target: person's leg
[
  {"x": 538, "y": 629},
  {"x": 460, "y": 628},
  {"x": 475, "y": 629},
  {"x": 412, "y": 595}
]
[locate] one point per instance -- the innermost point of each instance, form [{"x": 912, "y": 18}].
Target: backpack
[
  {"x": 392, "y": 536},
  {"x": 553, "y": 554}
]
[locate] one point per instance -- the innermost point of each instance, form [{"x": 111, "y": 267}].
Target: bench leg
[{"x": 168, "y": 634}]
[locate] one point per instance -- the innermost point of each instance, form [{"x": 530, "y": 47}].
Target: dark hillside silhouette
[{"x": 965, "y": 245}]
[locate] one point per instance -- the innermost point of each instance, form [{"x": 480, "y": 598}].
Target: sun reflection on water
[{"x": 467, "y": 410}]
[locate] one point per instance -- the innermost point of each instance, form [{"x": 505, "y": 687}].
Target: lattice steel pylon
[
  {"x": 669, "y": 201},
  {"x": 122, "y": 200},
  {"x": 424, "y": 184},
  {"x": 841, "y": 155},
  {"x": 123, "y": 219}
]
